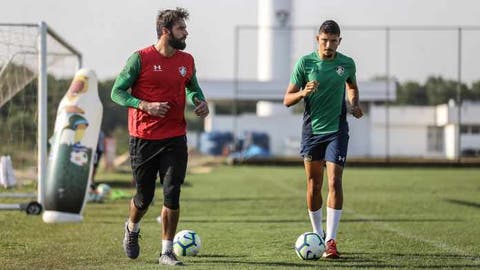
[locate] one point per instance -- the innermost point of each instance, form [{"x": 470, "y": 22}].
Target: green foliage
[
  {"x": 19, "y": 116},
  {"x": 475, "y": 91},
  {"x": 411, "y": 93},
  {"x": 114, "y": 116},
  {"x": 439, "y": 90},
  {"x": 250, "y": 217},
  {"x": 435, "y": 91},
  {"x": 120, "y": 133}
]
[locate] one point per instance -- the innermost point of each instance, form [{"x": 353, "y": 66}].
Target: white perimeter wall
[{"x": 407, "y": 129}]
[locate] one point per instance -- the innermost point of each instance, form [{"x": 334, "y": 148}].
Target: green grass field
[{"x": 250, "y": 217}]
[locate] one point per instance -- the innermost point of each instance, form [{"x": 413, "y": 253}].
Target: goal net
[{"x": 36, "y": 68}]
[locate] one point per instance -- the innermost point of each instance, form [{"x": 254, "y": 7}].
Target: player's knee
[
  {"x": 314, "y": 184},
  {"x": 335, "y": 183},
  {"x": 171, "y": 197},
  {"x": 317, "y": 186},
  {"x": 142, "y": 200}
]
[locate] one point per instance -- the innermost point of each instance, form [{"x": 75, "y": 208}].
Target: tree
[
  {"x": 411, "y": 93},
  {"x": 475, "y": 91},
  {"x": 440, "y": 91},
  {"x": 114, "y": 116}
]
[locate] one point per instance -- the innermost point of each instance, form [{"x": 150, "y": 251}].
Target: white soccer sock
[
  {"x": 133, "y": 227},
  {"x": 333, "y": 220},
  {"x": 167, "y": 246},
  {"x": 316, "y": 220}
]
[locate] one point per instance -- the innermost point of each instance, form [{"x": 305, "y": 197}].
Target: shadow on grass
[
  {"x": 340, "y": 263},
  {"x": 257, "y": 263},
  {"x": 416, "y": 255},
  {"x": 438, "y": 257},
  {"x": 208, "y": 256},
  {"x": 130, "y": 184},
  {"x": 220, "y": 256},
  {"x": 464, "y": 203},
  {"x": 359, "y": 260}
]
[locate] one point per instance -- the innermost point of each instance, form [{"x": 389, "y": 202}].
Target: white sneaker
[{"x": 169, "y": 258}]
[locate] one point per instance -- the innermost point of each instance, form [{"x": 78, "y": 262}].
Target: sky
[{"x": 107, "y": 32}]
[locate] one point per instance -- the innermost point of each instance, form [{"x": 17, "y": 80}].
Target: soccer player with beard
[
  {"x": 161, "y": 78},
  {"x": 321, "y": 79}
]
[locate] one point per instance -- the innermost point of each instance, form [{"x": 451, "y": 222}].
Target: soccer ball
[
  {"x": 104, "y": 190},
  {"x": 309, "y": 246},
  {"x": 186, "y": 243}
]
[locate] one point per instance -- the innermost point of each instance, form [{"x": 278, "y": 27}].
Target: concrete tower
[{"x": 274, "y": 40}]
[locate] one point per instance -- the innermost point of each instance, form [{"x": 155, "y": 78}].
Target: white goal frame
[{"x": 44, "y": 31}]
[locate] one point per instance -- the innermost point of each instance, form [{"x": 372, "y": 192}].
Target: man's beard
[{"x": 176, "y": 43}]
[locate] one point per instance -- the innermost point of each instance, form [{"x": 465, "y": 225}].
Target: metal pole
[
  {"x": 65, "y": 44},
  {"x": 387, "y": 103},
  {"x": 459, "y": 95},
  {"x": 20, "y": 24},
  {"x": 79, "y": 61},
  {"x": 42, "y": 111},
  {"x": 235, "y": 83}
]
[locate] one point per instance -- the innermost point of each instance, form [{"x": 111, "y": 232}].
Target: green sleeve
[
  {"x": 194, "y": 90},
  {"x": 352, "y": 76},
  {"x": 127, "y": 77},
  {"x": 298, "y": 77}
]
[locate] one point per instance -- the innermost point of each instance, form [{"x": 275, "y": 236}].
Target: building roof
[{"x": 217, "y": 90}]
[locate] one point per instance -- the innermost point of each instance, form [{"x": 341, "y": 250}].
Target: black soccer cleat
[{"x": 130, "y": 243}]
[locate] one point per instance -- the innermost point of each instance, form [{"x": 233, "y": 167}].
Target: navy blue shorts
[{"x": 329, "y": 147}]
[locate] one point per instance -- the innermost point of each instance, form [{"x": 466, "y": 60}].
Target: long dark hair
[{"x": 168, "y": 17}]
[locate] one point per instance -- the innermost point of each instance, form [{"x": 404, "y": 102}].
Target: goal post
[
  {"x": 44, "y": 30},
  {"x": 29, "y": 51}
]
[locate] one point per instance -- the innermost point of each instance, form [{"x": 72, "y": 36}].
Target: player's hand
[
  {"x": 201, "y": 108},
  {"x": 356, "y": 111},
  {"x": 159, "y": 109},
  {"x": 309, "y": 88}
]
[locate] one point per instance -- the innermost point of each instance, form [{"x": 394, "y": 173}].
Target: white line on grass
[{"x": 437, "y": 244}]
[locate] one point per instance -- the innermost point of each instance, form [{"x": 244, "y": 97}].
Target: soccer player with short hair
[
  {"x": 161, "y": 78},
  {"x": 320, "y": 79}
]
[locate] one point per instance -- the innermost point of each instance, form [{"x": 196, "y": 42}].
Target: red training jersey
[{"x": 161, "y": 79}]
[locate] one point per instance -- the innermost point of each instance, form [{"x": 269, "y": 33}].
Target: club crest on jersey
[
  {"x": 340, "y": 70},
  {"x": 182, "y": 70}
]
